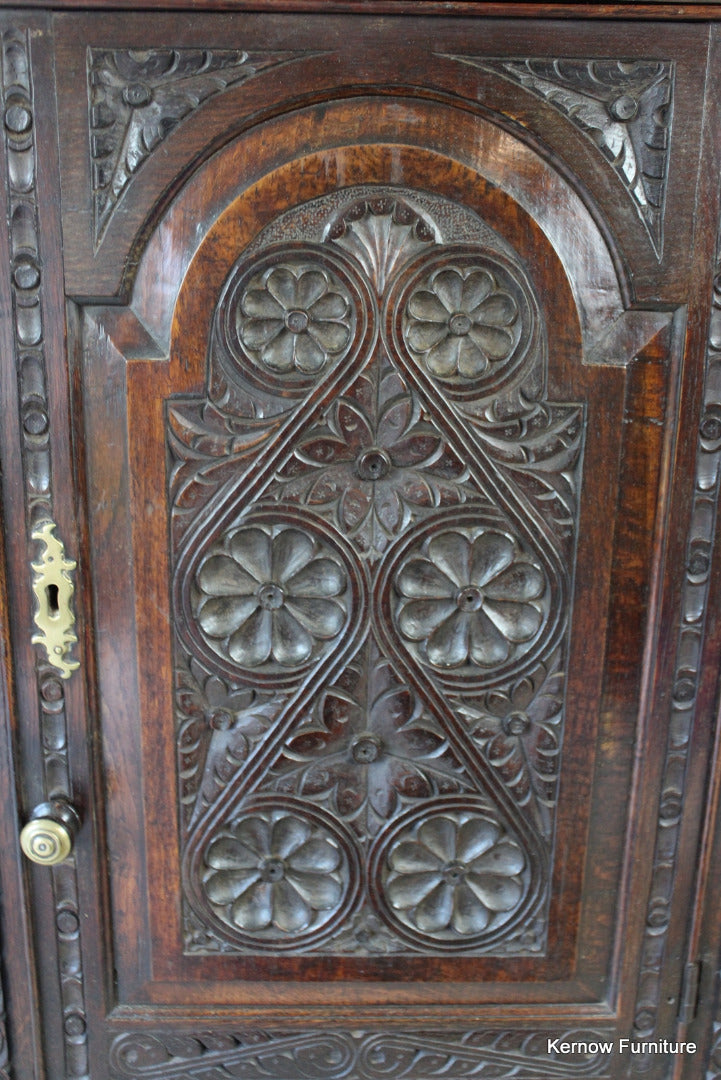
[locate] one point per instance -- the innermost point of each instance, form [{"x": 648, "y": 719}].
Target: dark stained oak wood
[{"x": 367, "y": 358}]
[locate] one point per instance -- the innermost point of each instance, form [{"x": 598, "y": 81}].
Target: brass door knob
[{"x": 49, "y": 835}]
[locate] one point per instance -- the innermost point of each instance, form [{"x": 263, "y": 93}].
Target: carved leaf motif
[
  {"x": 369, "y": 749},
  {"x": 137, "y": 98},
  {"x": 519, "y": 732},
  {"x": 375, "y": 463},
  {"x": 543, "y": 446},
  {"x": 219, "y": 725},
  {"x": 623, "y": 106},
  {"x": 207, "y": 445},
  {"x": 382, "y": 234}
]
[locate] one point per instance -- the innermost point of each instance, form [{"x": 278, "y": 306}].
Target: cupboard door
[{"x": 378, "y": 343}]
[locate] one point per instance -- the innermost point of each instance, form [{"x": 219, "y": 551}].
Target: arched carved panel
[{"x": 374, "y": 507}]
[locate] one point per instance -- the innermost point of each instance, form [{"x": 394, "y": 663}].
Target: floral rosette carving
[
  {"x": 454, "y": 876},
  {"x": 275, "y": 875},
  {"x": 460, "y": 323},
  {"x": 270, "y": 599},
  {"x": 470, "y": 600},
  {"x": 291, "y": 315},
  {"x": 467, "y": 319}
]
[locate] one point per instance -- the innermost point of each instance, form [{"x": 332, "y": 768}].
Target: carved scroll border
[
  {"x": 364, "y": 1055},
  {"x": 27, "y": 320}
]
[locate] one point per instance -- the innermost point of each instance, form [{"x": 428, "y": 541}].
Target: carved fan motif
[{"x": 375, "y": 517}]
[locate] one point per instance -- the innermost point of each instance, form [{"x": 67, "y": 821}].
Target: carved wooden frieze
[
  {"x": 260, "y": 1055},
  {"x": 373, "y": 511},
  {"x": 137, "y": 97},
  {"x": 624, "y": 107}
]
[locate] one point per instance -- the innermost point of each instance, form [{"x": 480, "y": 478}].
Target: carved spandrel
[
  {"x": 137, "y": 97},
  {"x": 624, "y": 106},
  {"x": 405, "y": 441}
]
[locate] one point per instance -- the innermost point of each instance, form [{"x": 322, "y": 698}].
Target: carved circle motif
[
  {"x": 467, "y": 317},
  {"x": 279, "y": 874},
  {"x": 290, "y": 315},
  {"x": 470, "y": 599},
  {"x": 270, "y": 598},
  {"x": 453, "y": 877}
]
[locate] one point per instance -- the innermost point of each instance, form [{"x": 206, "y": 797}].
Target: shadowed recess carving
[
  {"x": 624, "y": 106},
  {"x": 137, "y": 97},
  {"x": 374, "y": 426}
]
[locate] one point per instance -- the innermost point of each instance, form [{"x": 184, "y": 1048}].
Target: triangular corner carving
[
  {"x": 135, "y": 99},
  {"x": 624, "y": 107}
]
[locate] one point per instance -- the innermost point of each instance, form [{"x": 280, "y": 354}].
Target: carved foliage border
[{"x": 27, "y": 322}]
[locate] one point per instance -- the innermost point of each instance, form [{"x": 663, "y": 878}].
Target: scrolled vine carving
[
  {"x": 485, "y": 1054},
  {"x": 272, "y": 598},
  {"x": 470, "y": 599}
]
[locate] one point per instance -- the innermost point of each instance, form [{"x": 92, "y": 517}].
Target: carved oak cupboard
[{"x": 361, "y": 382}]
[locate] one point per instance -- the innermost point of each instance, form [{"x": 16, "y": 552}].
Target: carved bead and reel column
[{"x": 374, "y": 511}]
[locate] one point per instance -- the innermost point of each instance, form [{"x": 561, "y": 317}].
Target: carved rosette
[
  {"x": 453, "y": 877},
  {"x": 270, "y": 598},
  {"x": 279, "y": 875},
  {"x": 291, "y": 315},
  {"x": 470, "y": 600},
  {"x": 468, "y": 318},
  {"x": 370, "y": 609}
]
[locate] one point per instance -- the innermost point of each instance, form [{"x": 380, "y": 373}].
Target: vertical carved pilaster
[
  {"x": 27, "y": 269},
  {"x": 689, "y": 650}
]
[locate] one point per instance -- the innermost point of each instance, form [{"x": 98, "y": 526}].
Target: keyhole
[{"x": 51, "y": 593}]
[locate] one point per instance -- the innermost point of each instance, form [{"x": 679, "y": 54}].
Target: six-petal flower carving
[
  {"x": 274, "y": 872},
  {"x": 470, "y": 599},
  {"x": 455, "y": 875},
  {"x": 461, "y": 322},
  {"x": 270, "y": 598},
  {"x": 375, "y": 464},
  {"x": 294, "y": 318},
  {"x": 368, "y": 748}
]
